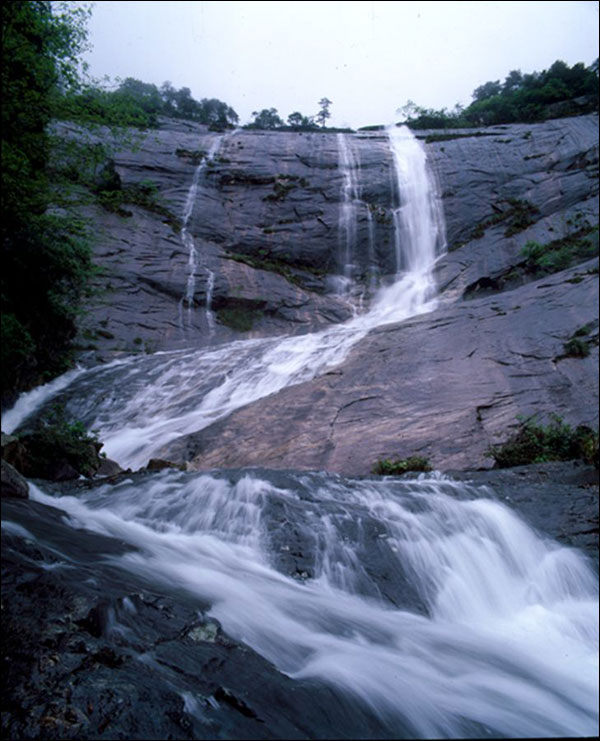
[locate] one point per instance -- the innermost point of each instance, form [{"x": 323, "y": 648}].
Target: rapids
[{"x": 439, "y": 611}]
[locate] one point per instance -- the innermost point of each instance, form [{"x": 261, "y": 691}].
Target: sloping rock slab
[{"x": 445, "y": 385}]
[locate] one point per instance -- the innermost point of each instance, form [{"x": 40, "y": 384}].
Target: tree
[
  {"x": 144, "y": 94},
  {"x": 513, "y": 82},
  {"x": 45, "y": 262},
  {"x": 324, "y": 112},
  {"x": 487, "y": 90},
  {"x": 297, "y": 120},
  {"x": 409, "y": 110},
  {"x": 268, "y": 118},
  {"x": 217, "y": 114}
]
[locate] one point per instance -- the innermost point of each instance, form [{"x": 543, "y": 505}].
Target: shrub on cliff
[
  {"x": 388, "y": 467},
  {"x": 57, "y": 449},
  {"x": 537, "y": 443}
]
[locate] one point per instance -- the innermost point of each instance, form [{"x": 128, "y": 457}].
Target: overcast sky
[{"x": 369, "y": 58}]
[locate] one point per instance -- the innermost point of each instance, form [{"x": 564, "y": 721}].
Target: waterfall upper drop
[
  {"x": 419, "y": 229},
  {"x": 139, "y": 405}
]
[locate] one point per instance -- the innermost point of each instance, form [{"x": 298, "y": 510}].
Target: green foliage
[
  {"x": 283, "y": 185},
  {"x": 194, "y": 155},
  {"x": 238, "y": 317},
  {"x": 45, "y": 255},
  {"x": 579, "y": 345},
  {"x": 536, "y": 443},
  {"x": 387, "y": 467},
  {"x": 57, "y": 438},
  {"x": 577, "y": 348},
  {"x": 559, "y": 90},
  {"x": 299, "y": 122},
  {"x": 138, "y": 104},
  {"x": 516, "y": 214},
  {"x": 144, "y": 194},
  {"x": 268, "y": 118},
  {"x": 561, "y": 253}
]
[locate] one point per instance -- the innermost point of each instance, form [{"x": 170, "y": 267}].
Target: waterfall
[
  {"x": 428, "y": 603},
  {"x": 138, "y": 405},
  {"x": 189, "y": 244},
  {"x": 438, "y": 611}
]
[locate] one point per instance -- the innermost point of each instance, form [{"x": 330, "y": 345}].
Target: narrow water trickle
[
  {"x": 347, "y": 226},
  {"x": 354, "y": 256},
  {"x": 186, "y": 305}
]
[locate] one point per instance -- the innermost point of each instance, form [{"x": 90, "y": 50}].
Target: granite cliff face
[{"x": 272, "y": 244}]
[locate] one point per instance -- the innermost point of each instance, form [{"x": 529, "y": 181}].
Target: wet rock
[
  {"x": 157, "y": 464},
  {"x": 266, "y": 224},
  {"x": 108, "y": 467},
  {"x": 13, "y": 484}
]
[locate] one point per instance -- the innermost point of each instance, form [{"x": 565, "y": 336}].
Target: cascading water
[
  {"x": 438, "y": 611},
  {"x": 189, "y": 244},
  {"x": 140, "y": 404},
  {"x": 418, "y": 215}
]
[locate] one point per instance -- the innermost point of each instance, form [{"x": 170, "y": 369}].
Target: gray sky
[{"x": 369, "y": 58}]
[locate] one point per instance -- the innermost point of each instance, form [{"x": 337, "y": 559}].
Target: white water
[
  {"x": 150, "y": 401},
  {"x": 418, "y": 216},
  {"x": 507, "y": 642},
  {"x": 189, "y": 244}
]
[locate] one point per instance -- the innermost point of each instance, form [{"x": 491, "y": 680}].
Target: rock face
[
  {"x": 13, "y": 484},
  {"x": 265, "y": 213}
]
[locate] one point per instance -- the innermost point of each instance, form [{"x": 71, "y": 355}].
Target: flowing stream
[{"x": 428, "y": 602}]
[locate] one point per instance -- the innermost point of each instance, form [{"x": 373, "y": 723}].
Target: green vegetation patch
[
  {"x": 580, "y": 344},
  {"x": 557, "y": 91},
  {"x": 273, "y": 265},
  {"x": 144, "y": 194},
  {"x": 194, "y": 155},
  {"x": 517, "y": 214},
  {"x": 536, "y": 443},
  {"x": 239, "y": 317},
  {"x": 56, "y": 440},
  {"x": 283, "y": 185},
  {"x": 561, "y": 253},
  {"x": 388, "y": 467},
  {"x": 430, "y": 138}
]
